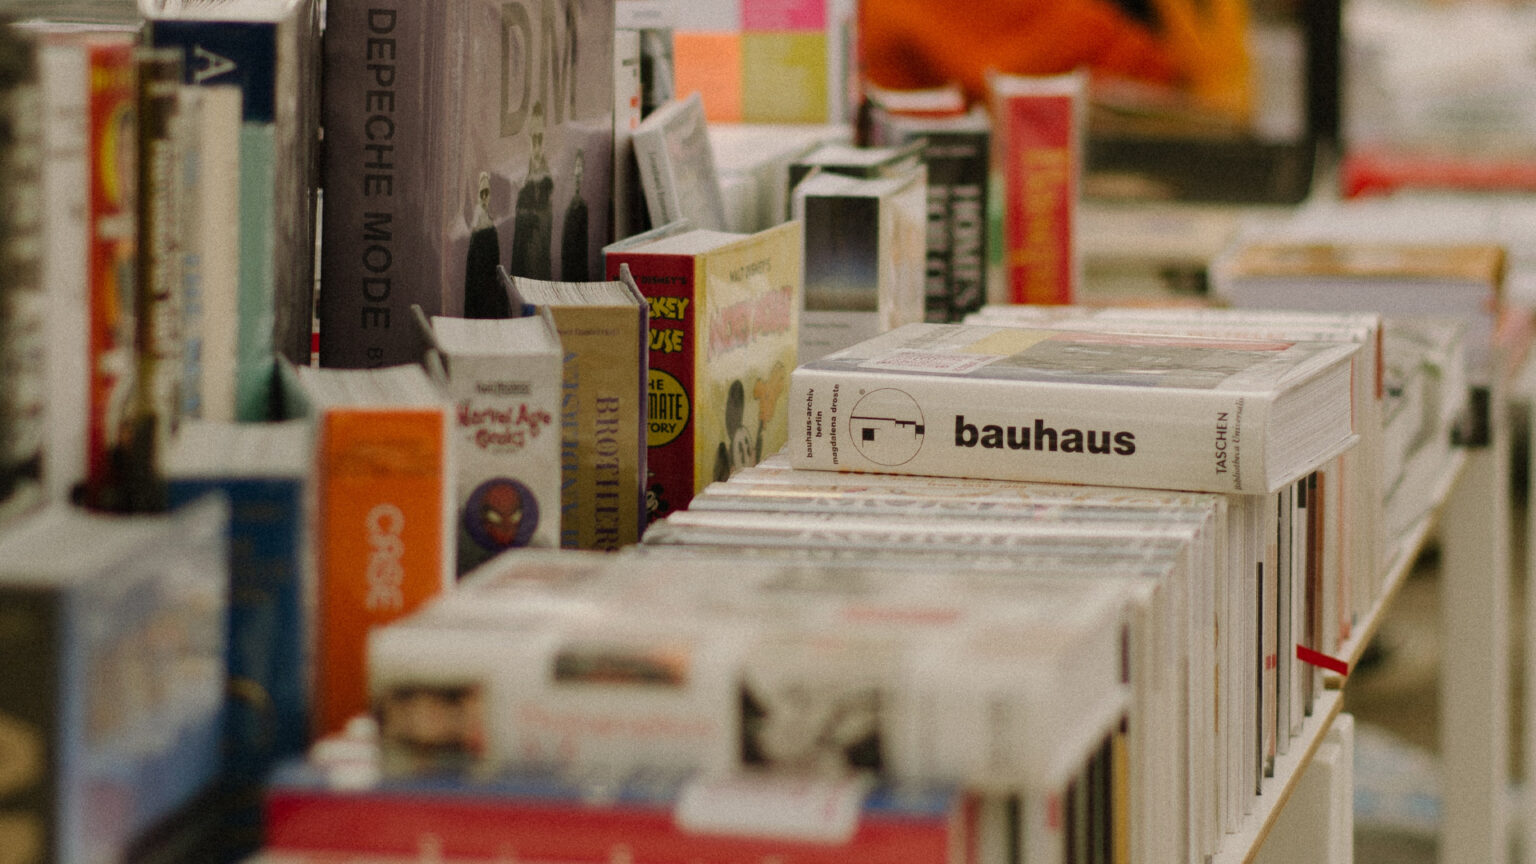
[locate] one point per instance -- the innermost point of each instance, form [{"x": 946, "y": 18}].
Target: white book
[
  {"x": 503, "y": 376},
  {"x": 677, "y": 165},
  {"x": 1061, "y": 406},
  {"x": 669, "y": 665},
  {"x": 1177, "y": 734},
  {"x": 865, "y": 251}
]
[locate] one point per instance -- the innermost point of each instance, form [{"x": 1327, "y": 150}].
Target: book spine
[
  {"x": 627, "y": 95},
  {"x": 873, "y": 419},
  {"x": 1042, "y": 161},
  {"x": 380, "y": 114},
  {"x": 483, "y": 828},
  {"x": 269, "y": 631},
  {"x": 669, "y": 287},
  {"x": 957, "y": 223},
  {"x": 23, "y": 345},
  {"x": 603, "y": 446},
  {"x": 66, "y": 265},
  {"x": 111, "y": 248},
  {"x": 33, "y": 719},
  {"x": 382, "y": 539},
  {"x": 245, "y": 54}
]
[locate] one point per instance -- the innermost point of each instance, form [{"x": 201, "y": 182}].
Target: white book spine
[{"x": 871, "y": 420}]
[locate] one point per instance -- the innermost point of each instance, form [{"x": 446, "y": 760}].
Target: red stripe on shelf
[{"x": 1321, "y": 660}]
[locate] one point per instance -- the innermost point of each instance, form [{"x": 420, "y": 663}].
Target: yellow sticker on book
[{"x": 667, "y": 408}]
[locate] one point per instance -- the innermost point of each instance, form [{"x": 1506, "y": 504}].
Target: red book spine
[
  {"x": 1040, "y": 198},
  {"x": 527, "y": 830},
  {"x": 669, "y": 285}
]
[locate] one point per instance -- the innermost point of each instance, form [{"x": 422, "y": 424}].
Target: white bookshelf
[{"x": 1471, "y": 522}]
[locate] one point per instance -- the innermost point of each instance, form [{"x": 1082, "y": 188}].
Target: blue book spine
[{"x": 267, "y": 703}]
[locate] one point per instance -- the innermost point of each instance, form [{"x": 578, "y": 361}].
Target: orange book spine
[{"x": 380, "y": 540}]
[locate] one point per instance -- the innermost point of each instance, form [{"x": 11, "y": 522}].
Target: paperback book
[
  {"x": 603, "y": 329},
  {"x": 503, "y": 377}
]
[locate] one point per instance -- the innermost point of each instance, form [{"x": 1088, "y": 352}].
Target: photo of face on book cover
[{"x": 1206, "y": 100}]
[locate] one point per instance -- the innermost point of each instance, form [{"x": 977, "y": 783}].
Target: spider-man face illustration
[{"x": 501, "y": 513}]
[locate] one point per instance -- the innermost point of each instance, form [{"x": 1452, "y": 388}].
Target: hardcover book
[
  {"x": 864, "y": 256},
  {"x": 603, "y": 329},
  {"x": 384, "y": 513},
  {"x": 113, "y": 680},
  {"x": 1062, "y": 406},
  {"x": 503, "y": 376},
  {"x": 724, "y": 324},
  {"x": 483, "y": 138},
  {"x": 269, "y": 49}
]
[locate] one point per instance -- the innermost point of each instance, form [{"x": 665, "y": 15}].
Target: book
[
  {"x": 628, "y": 198},
  {"x": 658, "y": 664},
  {"x": 384, "y": 512},
  {"x": 143, "y": 415},
  {"x": 24, "y": 361},
  {"x": 112, "y": 688},
  {"x": 848, "y": 158},
  {"x": 317, "y": 807},
  {"x": 957, "y": 153},
  {"x": 603, "y": 329},
  {"x": 209, "y": 209},
  {"x": 264, "y": 471},
  {"x": 1425, "y": 371},
  {"x": 1462, "y": 280},
  {"x": 1201, "y": 415},
  {"x": 269, "y": 50},
  {"x": 1038, "y": 157},
  {"x": 677, "y": 165},
  {"x": 755, "y": 158},
  {"x": 725, "y": 316},
  {"x": 503, "y": 377},
  {"x": 65, "y": 58},
  {"x": 486, "y": 138},
  {"x": 864, "y": 251}
]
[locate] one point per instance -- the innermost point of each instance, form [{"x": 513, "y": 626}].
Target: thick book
[
  {"x": 957, "y": 152},
  {"x": 840, "y": 157},
  {"x": 383, "y": 517},
  {"x": 1171, "y": 412},
  {"x": 112, "y": 631},
  {"x": 677, "y": 165},
  {"x": 865, "y": 250},
  {"x": 23, "y": 335},
  {"x": 264, "y": 471},
  {"x": 1038, "y": 157},
  {"x": 725, "y": 321},
  {"x": 605, "y": 349},
  {"x": 503, "y": 376},
  {"x": 269, "y": 49},
  {"x": 648, "y": 817},
  {"x": 483, "y": 135}
]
